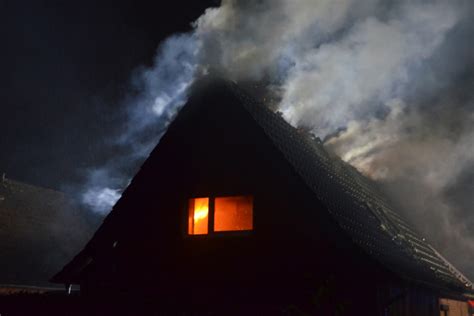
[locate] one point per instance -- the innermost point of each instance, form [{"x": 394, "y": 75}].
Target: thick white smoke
[
  {"x": 332, "y": 61},
  {"x": 368, "y": 76}
]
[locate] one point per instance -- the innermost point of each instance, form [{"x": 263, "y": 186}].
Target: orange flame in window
[
  {"x": 200, "y": 212},
  {"x": 198, "y": 216}
]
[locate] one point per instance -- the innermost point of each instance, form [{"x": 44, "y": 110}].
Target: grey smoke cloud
[{"x": 384, "y": 82}]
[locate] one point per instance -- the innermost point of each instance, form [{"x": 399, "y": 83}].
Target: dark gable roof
[
  {"x": 40, "y": 230},
  {"x": 353, "y": 200}
]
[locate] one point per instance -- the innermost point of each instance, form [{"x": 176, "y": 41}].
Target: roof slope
[
  {"x": 40, "y": 229},
  {"x": 352, "y": 199},
  {"x": 356, "y": 203}
]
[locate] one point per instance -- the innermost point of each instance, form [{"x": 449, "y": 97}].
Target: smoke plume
[
  {"x": 159, "y": 93},
  {"x": 385, "y": 83}
]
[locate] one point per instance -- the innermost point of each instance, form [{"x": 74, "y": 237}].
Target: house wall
[
  {"x": 402, "y": 298},
  {"x": 456, "y": 308}
]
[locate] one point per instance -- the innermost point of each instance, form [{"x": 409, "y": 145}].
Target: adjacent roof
[
  {"x": 352, "y": 199},
  {"x": 40, "y": 230}
]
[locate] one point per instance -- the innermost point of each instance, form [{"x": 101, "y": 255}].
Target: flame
[
  {"x": 200, "y": 212},
  {"x": 198, "y": 216}
]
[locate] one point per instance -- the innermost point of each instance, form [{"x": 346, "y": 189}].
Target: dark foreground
[{"x": 58, "y": 303}]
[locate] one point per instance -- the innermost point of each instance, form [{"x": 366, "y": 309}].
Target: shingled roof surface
[
  {"x": 40, "y": 230},
  {"x": 356, "y": 203},
  {"x": 352, "y": 199}
]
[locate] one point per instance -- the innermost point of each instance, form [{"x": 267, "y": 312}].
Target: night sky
[{"x": 65, "y": 69}]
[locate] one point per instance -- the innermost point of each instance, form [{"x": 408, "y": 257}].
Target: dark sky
[{"x": 65, "y": 67}]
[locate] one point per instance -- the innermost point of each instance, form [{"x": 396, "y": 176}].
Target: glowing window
[
  {"x": 233, "y": 213},
  {"x": 198, "y": 214}
]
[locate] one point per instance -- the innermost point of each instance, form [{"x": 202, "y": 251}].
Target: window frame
[{"x": 210, "y": 228}]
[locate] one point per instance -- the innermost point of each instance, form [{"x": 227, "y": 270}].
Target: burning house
[{"x": 235, "y": 207}]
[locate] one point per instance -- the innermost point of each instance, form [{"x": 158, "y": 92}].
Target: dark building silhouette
[
  {"x": 237, "y": 209},
  {"x": 40, "y": 230}
]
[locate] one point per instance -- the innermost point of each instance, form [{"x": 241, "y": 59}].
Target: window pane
[
  {"x": 198, "y": 213},
  {"x": 233, "y": 213}
]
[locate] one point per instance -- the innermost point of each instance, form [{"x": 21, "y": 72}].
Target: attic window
[{"x": 231, "y": 213}]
